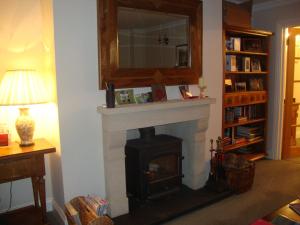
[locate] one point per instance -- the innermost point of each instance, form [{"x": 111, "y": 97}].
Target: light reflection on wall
[{"x": 27, "y": 42}]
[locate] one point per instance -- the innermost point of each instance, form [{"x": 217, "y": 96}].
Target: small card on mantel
[{"x": 158, "y": 92}]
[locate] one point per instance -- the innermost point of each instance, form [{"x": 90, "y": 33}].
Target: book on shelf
[
  {"x": 245, "y": 150},
  {"x": 249, "y": 129},
  {"x": 227, "y": 132},
  {"x": 233, "y": 43},
  {"x": 243, "y": 113},
  {"x": 246, "y": 64},
  {"x": 236, "y": 43},
  {"x": 231, "y": 64},
  {"x": 255, "y": 138},
  {"x": 251, "y": 137},
  {"x": 239, "y": 140},
  {"x": 238, "y": 111},
  {"x": 226, "y": 141},
  {"x": 242, "y": 119},
  {"x": 251, "y": 133}
]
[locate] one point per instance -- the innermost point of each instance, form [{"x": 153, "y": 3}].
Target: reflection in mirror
[{"x": 150, "y": 39}]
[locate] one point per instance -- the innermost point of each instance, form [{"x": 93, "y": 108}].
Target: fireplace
[
  {"x": 187, "y": 119},
  {"x": 153, "y": 167}
]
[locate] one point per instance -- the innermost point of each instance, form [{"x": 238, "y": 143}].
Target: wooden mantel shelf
[
  {"x": 153, "y": 106},
  {"x": 134, "y": 116}
]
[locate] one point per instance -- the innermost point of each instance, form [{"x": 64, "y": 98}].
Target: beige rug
[{"x": 276, "y": 183}]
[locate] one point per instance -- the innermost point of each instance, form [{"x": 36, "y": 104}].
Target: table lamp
[{"x": 23, "y": 88}]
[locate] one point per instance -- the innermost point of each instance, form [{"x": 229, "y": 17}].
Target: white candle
[{"x": 201, "y": 82}]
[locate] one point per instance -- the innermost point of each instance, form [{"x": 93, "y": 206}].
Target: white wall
[
  {"x": 213, "y": 65},
  {"x": 275, "y": 19},
  {"x": 75, "y": 29}
]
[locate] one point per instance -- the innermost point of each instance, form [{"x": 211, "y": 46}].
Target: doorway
[{"x": 291, "y": 126}]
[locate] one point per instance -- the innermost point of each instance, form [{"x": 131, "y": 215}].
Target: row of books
[
  {"x": 243, "y": 64},
  {"x": 241, "y": 134},
  {"x": 243, "y": 113},
  {"x": 244, "y": 44},
  {"x": 249, "y": 132},
  {"x": 239, "y": 140}
]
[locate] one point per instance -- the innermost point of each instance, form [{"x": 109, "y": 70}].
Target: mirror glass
[{"x": 151, "y": 39}]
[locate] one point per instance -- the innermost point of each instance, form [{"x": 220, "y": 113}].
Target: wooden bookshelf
[
  {"x": 246, "y": 67},
  {"x": 254, "y": 156},
  {"x": 243, "y": 144},
  {"x": 236, "y": 123},
  {"x": 245, "y": 52},
  {"x": 246, "y": 73}
]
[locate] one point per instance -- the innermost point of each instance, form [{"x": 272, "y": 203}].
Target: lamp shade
[{"x": 22, "y": 87}]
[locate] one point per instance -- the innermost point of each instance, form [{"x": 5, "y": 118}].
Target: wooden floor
[
  {"x": 27, "y": 216},
  {"x": 152, "y": 213},
  {"x": 183, "y": 202}
]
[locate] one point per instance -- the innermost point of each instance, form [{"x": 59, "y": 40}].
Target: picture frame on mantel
[{"x": 125, "y": 97}]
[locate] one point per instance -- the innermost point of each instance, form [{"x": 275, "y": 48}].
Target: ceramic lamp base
[{"x": 25, "y": 127}]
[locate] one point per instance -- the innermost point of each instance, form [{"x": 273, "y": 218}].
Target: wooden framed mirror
[{"x": 143, "y": 42}]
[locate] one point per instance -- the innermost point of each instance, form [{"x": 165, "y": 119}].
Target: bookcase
[{"x": 245, "y": 91}]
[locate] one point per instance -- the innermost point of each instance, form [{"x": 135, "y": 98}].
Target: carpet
[{"x": 276, "y": 183}]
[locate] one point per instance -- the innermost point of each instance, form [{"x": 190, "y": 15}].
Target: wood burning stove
[{"x": 153, "y": 166}]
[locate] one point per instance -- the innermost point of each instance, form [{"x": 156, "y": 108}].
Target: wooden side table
[{"x": 27, "y": 162}]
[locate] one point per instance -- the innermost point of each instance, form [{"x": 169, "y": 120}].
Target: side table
[{"x": 27, "y": 162}]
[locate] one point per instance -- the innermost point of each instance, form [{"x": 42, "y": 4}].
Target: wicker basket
[
  {"x": 240, "y": 179},
  {"x": 87, "y": 215}
]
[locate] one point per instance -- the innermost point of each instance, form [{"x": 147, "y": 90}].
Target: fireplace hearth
[{"x": 153, "y": 167}]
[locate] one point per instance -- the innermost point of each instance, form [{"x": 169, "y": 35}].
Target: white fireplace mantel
[
  {"x": 134, "y": 116},
  {"x": 187, "y": 119}
]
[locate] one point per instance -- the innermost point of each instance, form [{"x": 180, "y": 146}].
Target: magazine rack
[{"x": 85, "y": 214}]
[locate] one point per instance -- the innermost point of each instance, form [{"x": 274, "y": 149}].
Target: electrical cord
[{"x": 10, "y": 197}]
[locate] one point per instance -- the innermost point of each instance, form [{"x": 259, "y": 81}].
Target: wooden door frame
[
  {"x": 290, "y": 66},
  {"x": 277, "y": 88}
]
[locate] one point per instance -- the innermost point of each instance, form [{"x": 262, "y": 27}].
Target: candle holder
[{"x": 202, "y": 88}]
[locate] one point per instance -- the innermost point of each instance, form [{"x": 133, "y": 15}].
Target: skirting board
[{"x": 60, "y": 213}]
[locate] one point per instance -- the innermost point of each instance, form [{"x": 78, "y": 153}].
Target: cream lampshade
[{"x": 23, "y": 87}]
